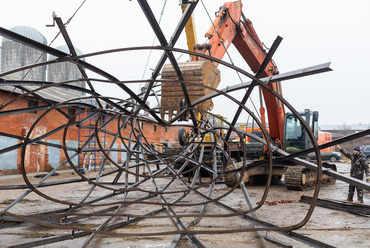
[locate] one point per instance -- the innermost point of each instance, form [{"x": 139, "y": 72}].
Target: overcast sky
[{"x": 314, "y": 32}]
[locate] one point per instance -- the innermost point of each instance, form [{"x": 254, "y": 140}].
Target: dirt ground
[{"x": 336, "y": 228}]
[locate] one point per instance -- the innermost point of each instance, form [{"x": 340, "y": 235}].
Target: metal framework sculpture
[{"x": 114, "y": 195}]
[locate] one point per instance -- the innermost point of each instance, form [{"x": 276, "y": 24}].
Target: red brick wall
[{"x": 36, "y": 156}]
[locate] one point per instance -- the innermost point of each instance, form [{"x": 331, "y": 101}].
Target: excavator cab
[
  {"x": 299, "y": 177},
  {"x": 295, "y": 136}
]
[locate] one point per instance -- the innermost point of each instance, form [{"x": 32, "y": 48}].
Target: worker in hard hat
[{"x": 359, "y": 165}]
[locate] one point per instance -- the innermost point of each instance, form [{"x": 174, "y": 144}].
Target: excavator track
[
  {"x": 252, "y": 177},
  {"x": 302, "y": 178}
]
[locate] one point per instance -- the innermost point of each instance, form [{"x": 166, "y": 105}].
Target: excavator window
[
  {"x": 214, "y": 120},
  {"x": 294, "y": 134}
]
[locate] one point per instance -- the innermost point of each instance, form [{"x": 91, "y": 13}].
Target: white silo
[
  {"x": 15, "y": 55},
  {"x": 65, "y": 71}
]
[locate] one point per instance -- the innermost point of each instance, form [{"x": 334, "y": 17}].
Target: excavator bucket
[{"x": 173, "y": 99}]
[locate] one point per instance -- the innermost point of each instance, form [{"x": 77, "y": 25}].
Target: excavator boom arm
[{"x": 228, "y": 28}]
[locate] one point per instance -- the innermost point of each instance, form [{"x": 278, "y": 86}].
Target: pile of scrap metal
[{"x": 120, "y": 195}]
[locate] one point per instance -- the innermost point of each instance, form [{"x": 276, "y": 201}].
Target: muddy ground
[{"x": 336, "y": 228}]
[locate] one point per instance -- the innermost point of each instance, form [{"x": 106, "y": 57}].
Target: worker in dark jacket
[{"x": 358, "y": 167}]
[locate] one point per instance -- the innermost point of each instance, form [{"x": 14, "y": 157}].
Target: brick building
[
  {"x": 48, "y": 152},
  {"x": 52, "y": 144}
]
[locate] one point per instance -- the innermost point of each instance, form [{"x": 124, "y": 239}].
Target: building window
[
  {"x": 32, "y": 104},
  {"x": 165, "y": 130},
  {"x": 155, "y": 128},
  {"x": 71, "y": 113}
]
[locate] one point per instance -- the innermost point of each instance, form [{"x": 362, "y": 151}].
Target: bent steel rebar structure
[{"x": 147, "y": 185}]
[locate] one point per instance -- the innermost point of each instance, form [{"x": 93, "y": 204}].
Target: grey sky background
[{"x": 314, "y": 32}]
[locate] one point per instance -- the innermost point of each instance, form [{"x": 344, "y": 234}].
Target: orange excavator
[{"x": 231, "y": 26}]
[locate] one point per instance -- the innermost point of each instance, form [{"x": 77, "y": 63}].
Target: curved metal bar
[{"x": 127, "y": 112}]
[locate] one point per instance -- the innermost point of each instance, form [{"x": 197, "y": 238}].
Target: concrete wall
[
  {"x": 113, "y": 154},
  {"x": 8, "y": 161},
  {"x": 54, "y": 154},
  {"x": 72, "y": 154}
]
